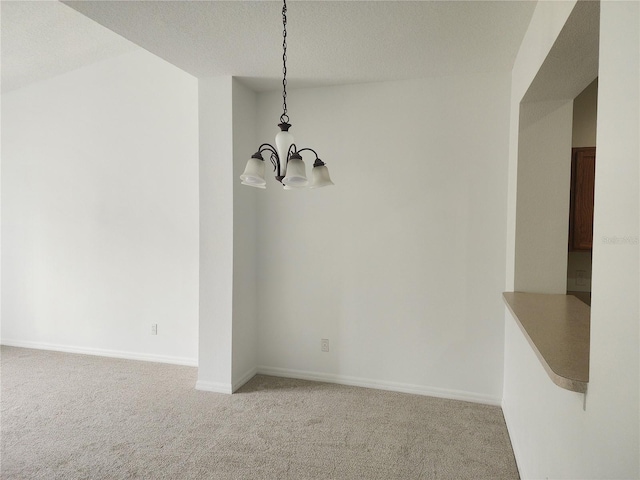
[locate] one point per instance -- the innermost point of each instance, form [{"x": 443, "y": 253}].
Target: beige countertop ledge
[{"x": 557, "y": 328}]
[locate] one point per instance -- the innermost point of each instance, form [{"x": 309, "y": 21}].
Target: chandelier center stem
[{"x": 284, "y": 118}]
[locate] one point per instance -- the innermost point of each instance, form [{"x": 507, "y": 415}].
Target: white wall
[
  {"x": 544, "y": 178},
  {"x": 216, "y": 234},
  {"x": 614, "y": 386},
  {"x": 100, "y": 211},
  {"x": 245, "y": 239},
  {"x": 546, "y": 423},
  {"x": 400, "y": 264},
  {"x": 552, "y": 436},
  {"x": 585, "y": 116},
  {"x": 546, "y": 23},
  {"x": 228, "y": 237}
]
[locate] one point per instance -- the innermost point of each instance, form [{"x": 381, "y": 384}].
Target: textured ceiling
[
  {"x": 43, "y": 39},
  {"x": 330, "y": 42}
]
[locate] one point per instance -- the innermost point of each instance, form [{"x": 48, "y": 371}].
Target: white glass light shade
[
  {"x": 253, "y": 185},
  {"x": 284, "y": 140},
  {"x": 254, "y": 173},
  {"x": 320, "y": 177},
  {"x": 296, "y": 174}
]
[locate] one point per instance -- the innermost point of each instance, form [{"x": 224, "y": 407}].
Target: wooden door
[{"x": 583, "y": 174}]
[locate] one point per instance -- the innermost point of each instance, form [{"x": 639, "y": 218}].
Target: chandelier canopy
[{"x": 286, "y": 158}]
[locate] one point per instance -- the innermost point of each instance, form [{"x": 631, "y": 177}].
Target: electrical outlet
[
  {"x": 324, "y": 345},
  {"x": 581, "y": 278},
  {"x": 154, "y": 329}
]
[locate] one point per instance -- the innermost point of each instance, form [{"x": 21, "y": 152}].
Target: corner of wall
[{"x": 245, "y": 239}]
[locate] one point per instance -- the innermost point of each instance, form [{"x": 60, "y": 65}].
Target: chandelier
[{"x": 286, "y": 158}]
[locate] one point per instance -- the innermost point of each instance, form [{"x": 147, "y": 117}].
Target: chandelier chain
[
  {"x": 284, "y": 118},
  {"x": 288, "y": 166}
]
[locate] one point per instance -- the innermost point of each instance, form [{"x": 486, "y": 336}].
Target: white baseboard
[
  {"x": 274, "y": 371},
  {"x": 514, "y": 444},
  {"x": 217, "y": 387},
  {"x": 220, "y": 387},
  {"x": 381, "y": 385},
  {"x": 245, "y": 378},
  {"x": 100, "y": 352}
]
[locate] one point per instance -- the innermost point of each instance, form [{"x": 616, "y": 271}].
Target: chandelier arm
[
  {"x": 267, "y": 147},
  {"x": 276, "y": 164},
  {"x": 309, "y": 149},
  {"x": 318, "y": 162},
  {"x": 292, "y": 149}
]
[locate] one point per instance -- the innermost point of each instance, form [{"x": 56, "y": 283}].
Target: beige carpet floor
[{"x": 68, "y": 416}]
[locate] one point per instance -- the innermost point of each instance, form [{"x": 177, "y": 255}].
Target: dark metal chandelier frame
[{"x": 286, "y": 158}]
